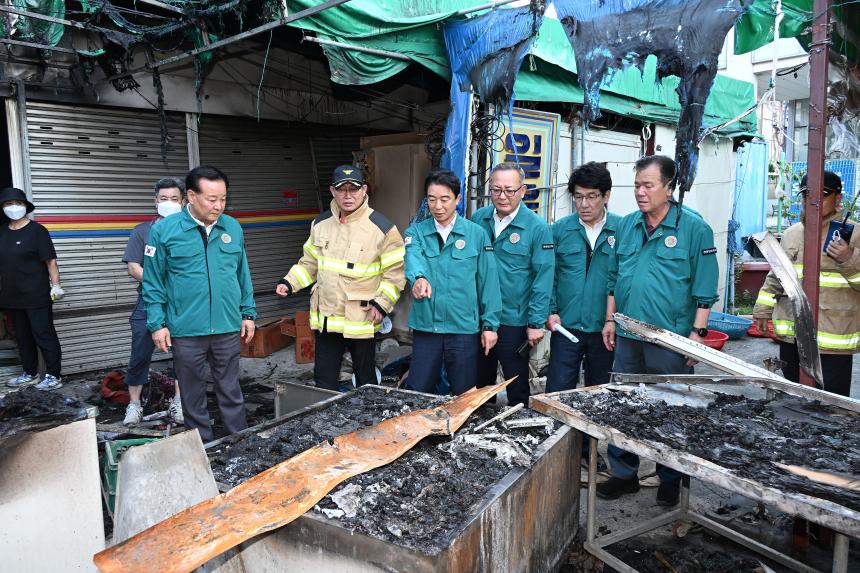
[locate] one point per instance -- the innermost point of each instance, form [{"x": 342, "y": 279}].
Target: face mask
[
  {"x": 167, "y": 208},
  {"x": 15, "y": 212}
]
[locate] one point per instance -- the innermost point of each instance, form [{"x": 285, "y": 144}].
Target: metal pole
[
  {"x": 35, "y": 16},
  {"x": 252, "y": 32},
  {"x": 818, "y": 54},
  {"x": 487, "y": 6},
  {"x": 20, "y": 94},
  {"x": 36, "y": 46},
  {"x": 591, "y": 508},
  {"x": 163, "y": 6},
  {"x": 193, "y": 139},
  {"x": 840, "y": 553},
  {"x": 374, "y": 51}
]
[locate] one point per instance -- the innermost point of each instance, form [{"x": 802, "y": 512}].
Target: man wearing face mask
[
  {"x": 169, "y": 199},
  {"x": 29, "y": 282},
  {"x": 199, "y": 299}
]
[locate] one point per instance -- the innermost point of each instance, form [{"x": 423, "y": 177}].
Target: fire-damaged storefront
[{"x": 93, "y": 169}]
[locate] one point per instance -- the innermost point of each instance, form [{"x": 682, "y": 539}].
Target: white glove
[{"x": 57, "y": 292}]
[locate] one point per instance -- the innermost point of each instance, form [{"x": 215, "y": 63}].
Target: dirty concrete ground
[{"x": 766, "y": 524}]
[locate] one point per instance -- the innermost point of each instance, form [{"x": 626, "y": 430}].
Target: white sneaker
[
  {"x": 133, "y": 414},
  {"x": 49, "y": 382},
  {"x": 175, "y": 410},
  {"x": 22, "y": 380}
]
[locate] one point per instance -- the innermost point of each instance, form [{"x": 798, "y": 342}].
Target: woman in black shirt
[{"x": 29, "y": 283}]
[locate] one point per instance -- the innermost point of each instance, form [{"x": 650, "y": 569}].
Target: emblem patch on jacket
[
  {"x": 711, "y": 251},
  {"x": 407, "y": 241},
  {"x": 547, "y": 246},
  {"x": 611, "y": 241},
  {"x": 515, "y": 238},
  {"x": 670, "y": 241},
  {"x": 226, "y": 238},
  {"x": 149, "y": 251},
  {"x": 460, "y": 244}
]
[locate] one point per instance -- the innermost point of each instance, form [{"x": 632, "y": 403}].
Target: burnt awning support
[{"x": 818, "y": 55}]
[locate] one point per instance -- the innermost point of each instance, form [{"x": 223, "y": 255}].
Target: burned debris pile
[
  {"x": 419, "y": 501},
  {"x": 744, "y": 435},
  {"x": 31, "y": 410}
]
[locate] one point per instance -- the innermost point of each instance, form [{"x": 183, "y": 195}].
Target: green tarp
[
  {"x": 40, "y": 31},
  {"x": 547, "y": 74}
]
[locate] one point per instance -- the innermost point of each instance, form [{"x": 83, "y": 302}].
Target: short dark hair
[
  {"x": 192, "y": 180},
  {"x": 591, "y": 175},
  {"x": 668, "y": 168},
  {"x": 443, "y": 177},
  {"x": 170, "y": 183},
  {"x": 832, "y": 183}
]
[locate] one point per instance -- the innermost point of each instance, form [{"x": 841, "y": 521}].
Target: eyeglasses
[
  {"x": 348, "y": 190},
  {"x": 497, "y": 191},
  {"x": 591, "y": 197}
]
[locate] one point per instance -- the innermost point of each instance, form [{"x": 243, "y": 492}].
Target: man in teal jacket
[
  {"x": 584, "y": 249},
  {"x": 522, "y": 244},
  {"x": 455, "y": 287},
  {"x": 665, "y": 273},
  {"x": 199, "y": 299}
]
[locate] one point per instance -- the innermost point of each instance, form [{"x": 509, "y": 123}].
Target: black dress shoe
[
  {"x": 668, "y": 494},
  {"x": 614, "y": 487}
]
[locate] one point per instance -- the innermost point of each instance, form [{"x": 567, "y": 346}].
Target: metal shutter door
[
  {"x": 272, "y": 178},
  {"x": 93, "y": 170}
]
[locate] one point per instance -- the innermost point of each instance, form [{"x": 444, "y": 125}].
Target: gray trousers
[{"x": 221, "y": 352}]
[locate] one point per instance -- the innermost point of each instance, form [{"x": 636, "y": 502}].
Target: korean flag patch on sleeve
[
  {"x": 407, "y": 241},
  {"x": 149, "y": 251}
]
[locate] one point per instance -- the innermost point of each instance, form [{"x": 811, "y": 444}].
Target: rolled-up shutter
[{"x": 93, "y": 171}]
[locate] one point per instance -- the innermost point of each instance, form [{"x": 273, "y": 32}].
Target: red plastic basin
[{"x": 716, "y": 339}]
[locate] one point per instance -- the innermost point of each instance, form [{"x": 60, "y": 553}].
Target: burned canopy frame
[
  {"x": 686, "y": 36},
  {"x": 485, "y": 54}
]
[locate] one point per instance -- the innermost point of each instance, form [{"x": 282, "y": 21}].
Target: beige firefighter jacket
[
  {"x": 839, "y": 295},
  {"x": 353, "y": 263}
]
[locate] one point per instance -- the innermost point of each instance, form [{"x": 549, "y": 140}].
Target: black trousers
[
  {"x": 34, "y": 329},
  {"x": 190, "y": 357},
  {"x": 505, "y": 351},
  {"x": 330, "y": 347},
  {"x": 836, "y": 368}
]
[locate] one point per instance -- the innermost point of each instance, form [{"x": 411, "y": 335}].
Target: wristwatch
[{"x": 703, "y": 332}]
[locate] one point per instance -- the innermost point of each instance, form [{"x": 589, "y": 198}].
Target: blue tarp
[
  {"x": 750, "y": 200},
  {"x": 485, "y": 53}
]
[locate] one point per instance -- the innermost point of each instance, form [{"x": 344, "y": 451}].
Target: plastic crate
[
  {"x": 734, "y": 326},
  {"x": 113, "y": 452}
]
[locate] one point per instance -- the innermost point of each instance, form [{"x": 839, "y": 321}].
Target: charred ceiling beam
[
  {"x": 345, "y": 46},
  {"x": 37, "y": 46},
  {"x": 232, "y": 39}
]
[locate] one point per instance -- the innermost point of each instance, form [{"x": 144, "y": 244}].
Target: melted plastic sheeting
[
  {"x": 485, "y": 53},
  {"x": 280, "y": 494},
  {"x": 686, "y": 36}
]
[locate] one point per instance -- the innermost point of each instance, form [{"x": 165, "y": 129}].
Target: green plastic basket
[{"x": 113, "y": 452}]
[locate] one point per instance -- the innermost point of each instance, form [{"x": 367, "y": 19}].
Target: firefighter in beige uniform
[
  {"x": 839, "y": 298},
  {"x": 355, "y": 255}
]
